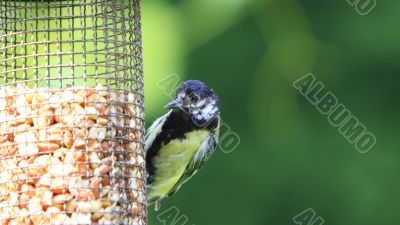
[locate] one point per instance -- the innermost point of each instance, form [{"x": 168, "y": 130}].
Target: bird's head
[{"x": 197, "y": 100}]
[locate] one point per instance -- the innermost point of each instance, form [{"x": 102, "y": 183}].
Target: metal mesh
[{"x": 71, "y": 113}]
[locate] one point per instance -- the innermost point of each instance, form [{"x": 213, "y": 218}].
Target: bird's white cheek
[
  {"x": 208, "y": 109},
  {"x": 198, "y": 104},
  {"x": 208, "y": 112}
]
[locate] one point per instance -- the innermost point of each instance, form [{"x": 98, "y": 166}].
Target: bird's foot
[{"x": 157, "y": 205}]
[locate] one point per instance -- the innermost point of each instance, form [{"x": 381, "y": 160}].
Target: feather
[
  {"x": 155, "y": 129},
  {"x": 205, "y": 151}
]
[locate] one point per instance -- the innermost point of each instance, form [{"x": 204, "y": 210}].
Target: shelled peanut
[{"x": 70, "y": 156}]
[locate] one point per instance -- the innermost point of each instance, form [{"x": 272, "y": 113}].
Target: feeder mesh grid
[{"x": 71, "y": 113}]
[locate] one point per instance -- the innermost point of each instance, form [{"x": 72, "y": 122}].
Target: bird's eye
[{"x": 194, "y": 98}]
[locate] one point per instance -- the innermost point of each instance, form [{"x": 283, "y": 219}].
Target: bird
[{"x": 179, "y": 143}]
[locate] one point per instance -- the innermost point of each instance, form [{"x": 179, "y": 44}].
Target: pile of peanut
[{"x": 70, "y": 156}]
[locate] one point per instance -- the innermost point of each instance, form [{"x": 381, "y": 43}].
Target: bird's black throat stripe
[{"x": 176, "y": 126}]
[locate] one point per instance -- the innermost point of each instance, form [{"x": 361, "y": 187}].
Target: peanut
[{"x": 57, "y": 164}]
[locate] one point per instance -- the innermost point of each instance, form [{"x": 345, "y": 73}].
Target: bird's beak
[{"x": 176, "y": 104}]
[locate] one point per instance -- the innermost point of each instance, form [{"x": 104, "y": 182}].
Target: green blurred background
[{"x": 290, "y": 158}]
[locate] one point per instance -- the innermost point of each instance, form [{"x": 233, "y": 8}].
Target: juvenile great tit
[{"x": 180, "y": 142}]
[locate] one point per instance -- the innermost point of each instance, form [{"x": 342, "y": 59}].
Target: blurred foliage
[
  {"x": 290, "y": 158},
  {"x": 41, "y": 63}
]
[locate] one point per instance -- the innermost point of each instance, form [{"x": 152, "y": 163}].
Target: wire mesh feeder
[{"x": 71, "y": 113}]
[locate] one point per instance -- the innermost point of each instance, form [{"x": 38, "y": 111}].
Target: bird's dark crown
[{"x": 196, "y": 87}]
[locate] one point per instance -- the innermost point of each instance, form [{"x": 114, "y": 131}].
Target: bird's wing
[
  {"x": 154, "y": 130},
  {"x": 207, "y": 148}
]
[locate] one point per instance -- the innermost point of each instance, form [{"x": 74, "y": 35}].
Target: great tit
[{"x": 180, "y": 142}]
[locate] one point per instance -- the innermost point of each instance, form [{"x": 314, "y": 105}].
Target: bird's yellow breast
[{"x": 172, "y": 161}]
